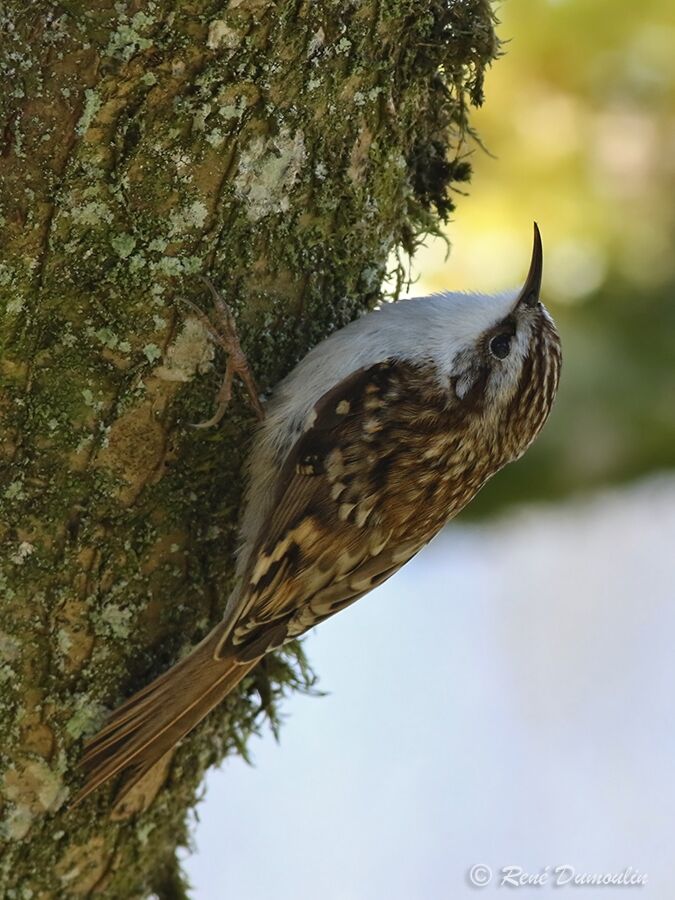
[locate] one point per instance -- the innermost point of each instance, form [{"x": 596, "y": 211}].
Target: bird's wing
[
  {"x": 348, "y": 510},
  {"x": 358, "y": 496}
]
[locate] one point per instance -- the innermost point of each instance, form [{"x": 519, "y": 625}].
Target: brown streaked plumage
[{"x": 349, "y": 481}]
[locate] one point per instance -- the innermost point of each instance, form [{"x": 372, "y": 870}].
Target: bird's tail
[{"x": 154, "y": 719}]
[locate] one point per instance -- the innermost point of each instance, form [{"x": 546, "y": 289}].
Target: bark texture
[{"x": 285, "y": 148}]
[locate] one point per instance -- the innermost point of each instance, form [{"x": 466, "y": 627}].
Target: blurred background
[
  {"x": 507, "y": 699},
  {"x": 580, "y": 119}
]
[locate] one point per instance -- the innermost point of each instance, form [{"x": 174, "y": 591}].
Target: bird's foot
[{"x": 223, "y": 331}]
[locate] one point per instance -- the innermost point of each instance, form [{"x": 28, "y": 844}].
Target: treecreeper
[{"x": 380, "y": 435}]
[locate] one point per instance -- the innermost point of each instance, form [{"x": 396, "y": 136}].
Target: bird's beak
[{"x": 529, "y": 295}]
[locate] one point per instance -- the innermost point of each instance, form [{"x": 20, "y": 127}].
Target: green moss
[
  {"x": 123, "y": 244},
  {"x": 92, "y": 104},
  {"x": 126, "y": 40},
  {"x": 152, "y": 352},
  {"x": 92, "y": 213}
]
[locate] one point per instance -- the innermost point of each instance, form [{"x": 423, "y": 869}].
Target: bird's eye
[{"x": 500, "y": 346}]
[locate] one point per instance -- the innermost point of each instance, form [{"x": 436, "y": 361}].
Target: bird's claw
[{"x": 224, "y": 333}]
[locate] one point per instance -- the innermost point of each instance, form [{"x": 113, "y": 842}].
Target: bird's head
[{"x": 508, "y": 365}]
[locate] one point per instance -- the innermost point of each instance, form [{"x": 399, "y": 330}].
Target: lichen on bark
[{"x": 284, "y": 148}]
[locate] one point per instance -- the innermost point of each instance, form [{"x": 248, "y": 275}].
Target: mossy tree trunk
[{"x": 284, "y": 148}]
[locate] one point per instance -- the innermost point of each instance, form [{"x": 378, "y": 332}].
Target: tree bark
[{"x": 285, "y": 149}]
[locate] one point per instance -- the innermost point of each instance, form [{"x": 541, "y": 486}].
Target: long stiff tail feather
[{"x": 154, "y": 719}]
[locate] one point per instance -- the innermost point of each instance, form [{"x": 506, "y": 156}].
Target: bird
[{"x": 382, "y": 433}]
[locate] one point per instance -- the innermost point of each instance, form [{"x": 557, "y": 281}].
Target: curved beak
[{"x": 529, "y": 295}]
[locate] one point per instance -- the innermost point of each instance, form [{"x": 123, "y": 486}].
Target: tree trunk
[{"x": 284, "y": 148}]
